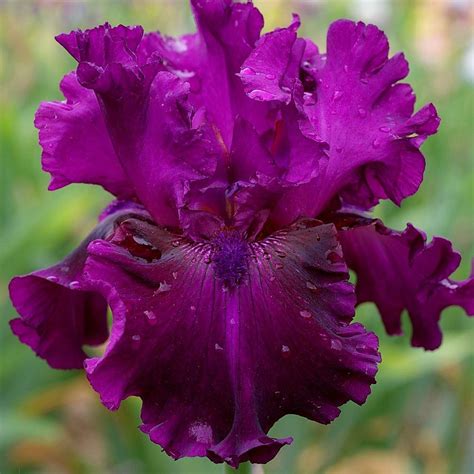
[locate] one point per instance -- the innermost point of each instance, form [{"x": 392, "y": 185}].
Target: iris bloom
[{"x": 244, "y": 167}]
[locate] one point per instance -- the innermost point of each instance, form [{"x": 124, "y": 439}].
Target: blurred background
[{"x": 419, "y": 418}]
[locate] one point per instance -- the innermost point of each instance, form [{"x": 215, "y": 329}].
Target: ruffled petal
[
  {"x": 249, "y": 156},
  {"x": 400, "y": 271},
  {"x": 75, "y": 142},
  {"x": 161, "y": 141},
  {"x": 277, "y": 195},
  {"x": 59, "y": 312},
  {"x": 221, "y": 339},
  {"x": 228, "y": 32},
  {"x": 180, "y": 55},
  {"x": 366, "y": 118},
  {"x": 272, "y": 68},
  {"x": 349, "y": 99}
]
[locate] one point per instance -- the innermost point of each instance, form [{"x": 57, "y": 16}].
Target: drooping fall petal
[
  {"x": 222, "y": 339},
  {"x": 400, "y": 271}
]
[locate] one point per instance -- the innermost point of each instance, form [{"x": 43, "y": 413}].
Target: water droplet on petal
[
  {"x": 272, "y": 278},
  {"x": 362, "y": 112},
  {"x": 305, "y": 314},
  {"x": 385, "y": 129},
  {"x": 247, "y": 71},
  {"x": 309, "y": 99},
  {"x": 136, "y": 340},
  {"x": 74, "y": 285},
  {"x": 311, "y": 286},
  {"x": 163, "y": 288},
  {"x": 346, "y": 68},
  {"x": 270, "y": 77},
  {"x": 336, "y": 344},
  {"x": 151, "y": 316},
  {"x": 52, "y": 278},
  {"x": 175, "y": 275},
  {"x": 285, "y": 351},
  {"x": 333, "y": 257},
  {"x": 449, "y": 284},
  {"x": 258, "y": 94},
  {"x": 175, "y": 243},
  {"x": 376, "y": 143},
  {"x": 218, "y": 347},
  {"x": 192, "y": 308},
  {"x": 337, "y": 95},
  {"x": 232, "y": 321},
  {"x": 140, "y": 240}
]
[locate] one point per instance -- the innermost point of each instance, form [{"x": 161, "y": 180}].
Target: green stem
[{"x": 245, "y": 468}]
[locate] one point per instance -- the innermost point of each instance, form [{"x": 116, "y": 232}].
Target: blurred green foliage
[{"x": 419, "y": 417}]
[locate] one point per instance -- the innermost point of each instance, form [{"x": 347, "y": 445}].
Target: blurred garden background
[{"x": 420, "y": 417}]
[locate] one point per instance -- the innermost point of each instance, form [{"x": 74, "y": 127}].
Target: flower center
[{"x": 230, "y": 258}]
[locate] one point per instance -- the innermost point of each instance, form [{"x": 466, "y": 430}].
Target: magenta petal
[
  {"x": 180, "y": 55},
  {"x": 399, "y": 271},
  {"x": 228, "y": 31},
  {"x": 366, "y": 118},
  {"x": 249, "y": 155},
  {"x": 222, "y": 339},
  {"x": 75, "y": 142},
  {"x": 270, "y": 71},
  {"x": 59, "y": 312},
  {"x": 161, "y": 141}
]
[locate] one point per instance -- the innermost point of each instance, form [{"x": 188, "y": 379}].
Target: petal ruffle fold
[
  {"x": 75, "y": 142},
  {"x": 59, "y": 312},
  {"x": 350, "y": 100},
  {"x": 162, "y": 142},
  {"x": 227, "y": 33},
  {"x": 221, "y": 339},
  {"x": 400, "y": 271}
]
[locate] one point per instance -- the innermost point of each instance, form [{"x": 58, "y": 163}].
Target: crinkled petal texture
[
  {"x": 160, "y": 140},
  {"x": 76, "y": 146},
  {"x": 349, "y": 100},
  {"x": 231, "y": 302},
  {"x": 401, "y": 271},
  {"x": 222, "y": 339},
  {"x": 170, "y": 116},
  {"x": 59, "y": 313}
]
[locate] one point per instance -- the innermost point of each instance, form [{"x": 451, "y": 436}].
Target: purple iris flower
[{"x": 244, "y": 168}]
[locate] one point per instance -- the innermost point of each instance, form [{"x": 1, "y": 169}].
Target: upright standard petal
[
  {"x": 366, "y": 119},
  {"x": 161, "y": 141},
  {"x": 221, "y": 339},
  {"x": 75, "y": 142},
  {"x": 272, "y": 68},
  {"x": 400, "y": 271},
  {"x": 350, "y": 100},
  {"x": 59, "y": 312},
  {"x": 227, "y": 33}
]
